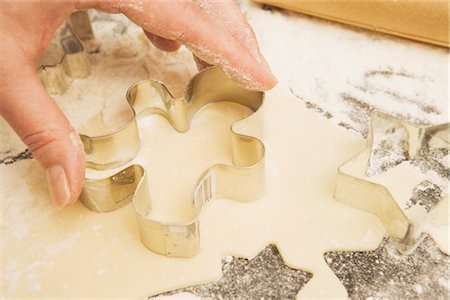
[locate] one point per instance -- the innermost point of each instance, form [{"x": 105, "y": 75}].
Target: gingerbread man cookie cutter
[
  {"x": 354, "y": 188},
  {"x": 242, "y": 181}
]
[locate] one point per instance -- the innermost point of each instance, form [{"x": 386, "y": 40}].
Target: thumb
[{"x": 40, "y": 124}]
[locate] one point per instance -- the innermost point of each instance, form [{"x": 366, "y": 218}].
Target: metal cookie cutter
[
  {"x": 244, "y": 181},
  {"x": 355, "y": 189},
  {"x": 65, "y": 58}
]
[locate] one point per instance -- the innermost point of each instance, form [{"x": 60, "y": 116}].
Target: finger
[
  {"x": 188, "y": 24},
  {"x": 47, "y": 133},
  {"x": 162, "y": 43},
  {"x": 227, "y": 14},
  {"x": 215, "y": 45}
]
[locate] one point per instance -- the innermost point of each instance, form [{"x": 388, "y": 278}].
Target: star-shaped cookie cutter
[
  {"x": 243, "y": 181},
  {"x": 354, "y": 188}
]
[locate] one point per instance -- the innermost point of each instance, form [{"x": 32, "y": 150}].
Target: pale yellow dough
[
  {"x": 51, "y": 252},
  {"x": 74, "y": 253}
]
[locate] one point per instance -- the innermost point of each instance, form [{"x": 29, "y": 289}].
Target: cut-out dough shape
[
  {"x": 265, "y": 276},
  {"x": 384, "y": 273}
]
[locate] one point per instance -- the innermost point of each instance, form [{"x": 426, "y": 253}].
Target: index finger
[{"x": 189, "y": 24}]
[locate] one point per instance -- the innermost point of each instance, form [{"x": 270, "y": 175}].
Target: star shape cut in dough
[
  {"x": 265, "y": 276},
  {"x": 400, "y": 160},
  {"x": 384, "y": 273}
]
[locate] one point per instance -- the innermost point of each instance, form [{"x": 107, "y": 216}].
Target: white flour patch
[{"x": 347, "y": 72}]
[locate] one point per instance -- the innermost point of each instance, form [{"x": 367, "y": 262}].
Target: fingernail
[
  {"x": 267, "y": 68},
  {"x": 58, "y": 185}
]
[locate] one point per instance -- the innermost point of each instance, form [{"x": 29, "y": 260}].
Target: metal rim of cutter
[
  {"x": 354, "y": 190},
  {"x": 243, "y": 181},
  {"x": 65, "y": 59}
]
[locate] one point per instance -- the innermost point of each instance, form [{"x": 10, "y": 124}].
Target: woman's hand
[{"x": 215, "y": 31}]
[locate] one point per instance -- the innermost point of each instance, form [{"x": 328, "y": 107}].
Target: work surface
[{"x": 296, "y": 241}]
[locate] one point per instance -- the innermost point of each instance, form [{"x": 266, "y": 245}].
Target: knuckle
[
  {"x": 39, "y": 140},
  {"x": 182, "y": 35}
]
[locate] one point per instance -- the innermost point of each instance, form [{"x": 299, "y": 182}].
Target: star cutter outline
[
  {"x": 385, "y": 273},
  {"x": 242, "y": 181},
  {"x": 265, "y": 275},
  {"x": 355, "y": 189}
]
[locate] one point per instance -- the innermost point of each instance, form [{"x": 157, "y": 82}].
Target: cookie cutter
[
  {"x": 65, "y": 58},
  {"x": 355, "y": 189},
  {"x": 242, "y": 181}
]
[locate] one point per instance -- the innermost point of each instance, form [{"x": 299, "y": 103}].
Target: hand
[{"x": 216, "y": 32}]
